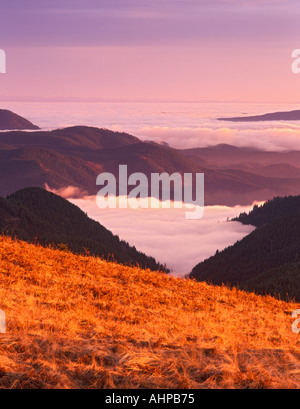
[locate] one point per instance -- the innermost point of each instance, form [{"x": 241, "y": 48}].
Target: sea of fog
[
  {"x": 182, "y": 125},
  {"x": 165, "y": 233}
]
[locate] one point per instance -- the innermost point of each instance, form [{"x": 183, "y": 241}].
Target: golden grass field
[{"x": 80, "y": 322}]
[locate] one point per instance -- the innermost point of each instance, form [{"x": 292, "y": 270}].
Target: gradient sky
[{"x": 150, "y": 49}]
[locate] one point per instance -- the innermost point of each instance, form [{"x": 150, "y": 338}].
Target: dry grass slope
[{"x": 80, "y": 322}]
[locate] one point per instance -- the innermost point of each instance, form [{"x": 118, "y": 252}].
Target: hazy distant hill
[
  {"x": 280, "y": 171},
  {"x": 33, "y": 214},
  {"x": 247, "y": 174},
  {"x": 75, "y": 156},
  {"x": 53, "y": 157},
  {"x": 62, "y": 140},
  {"x": 225, "y": 156},
  {"x": 10, "y": 120},
  {"x": 268, "y": 259},
  {"x": 21, "y": 168},
  {"x": 274, "y": 116}
]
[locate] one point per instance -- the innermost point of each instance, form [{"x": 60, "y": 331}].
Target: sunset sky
[{"x": 175, "y": 50}]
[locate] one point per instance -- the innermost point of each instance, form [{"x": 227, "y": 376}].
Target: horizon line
[{"x": 142, "y": 100}]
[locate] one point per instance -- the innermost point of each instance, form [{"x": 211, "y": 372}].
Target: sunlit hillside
[{"x": 78, "y": 321}]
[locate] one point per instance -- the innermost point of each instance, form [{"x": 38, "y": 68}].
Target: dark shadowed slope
[
  {"x": 270, "y": 211},
  {"x": 268, "y": 259},
  {"x": 33, "y": 214},
  {"x": 10, "y": 120}
]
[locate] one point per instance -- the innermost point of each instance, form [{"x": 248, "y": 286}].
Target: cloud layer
[
  {"x": 167, "y": 235},
  {"x": 277, "y": 137},
  {"x": 180, "y": 125}
]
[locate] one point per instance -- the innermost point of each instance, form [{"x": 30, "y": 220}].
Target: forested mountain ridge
[
  {"x": 265, "y": 261},
  {"x": 35, "y": 215},
  {"x": 270, "y": 211}
]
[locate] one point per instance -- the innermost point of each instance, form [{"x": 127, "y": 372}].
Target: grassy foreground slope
[{"x": 78, "y": 321}]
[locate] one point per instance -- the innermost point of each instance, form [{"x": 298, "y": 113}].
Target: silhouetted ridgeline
[
  {"x": 274, "y": 116},
  {"x": 270, "y": 211},
  {"x": 265, "y": 261},
  {"x": 10, "y": 120},
  {"x": 35, "y": 215}
]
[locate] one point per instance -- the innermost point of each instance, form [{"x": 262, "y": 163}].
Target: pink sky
[{"x": 154, "y": 50}]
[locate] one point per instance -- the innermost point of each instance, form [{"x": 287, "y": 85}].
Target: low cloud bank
[
  {"x": 267, "y": 137},
  {"x": 68, "y": 192},
  {"x": 165, "y": 233}
]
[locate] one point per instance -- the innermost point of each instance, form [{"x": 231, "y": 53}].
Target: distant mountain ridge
[
  {"x": 35, "y": 215},
  {"x": 274, "y": 116},
  {"x": 74, "y": 156},
  {"x": 62, "y": 140},
  {"x": 10, "y": 120}
]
